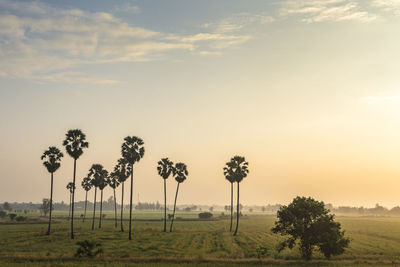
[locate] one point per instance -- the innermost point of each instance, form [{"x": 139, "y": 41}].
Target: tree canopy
[
  {"x": 181, "y": 172},
  {"x": 132, "y": 149},
  {"x": 308, "y": 221},
  {"x": 75, "y": 141},
  {"x": 51, "y": 159},
  {"x": 165, "y": 168}
]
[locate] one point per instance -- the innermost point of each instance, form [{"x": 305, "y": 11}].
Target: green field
[{"x": 374, "y": 241}]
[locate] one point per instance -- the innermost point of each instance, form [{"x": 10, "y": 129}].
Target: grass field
[{"x": 374, "y": 241}]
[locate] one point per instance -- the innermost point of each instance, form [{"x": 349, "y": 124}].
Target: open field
[{"x": 374, "y": 241}]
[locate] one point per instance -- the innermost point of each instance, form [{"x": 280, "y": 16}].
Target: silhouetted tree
[
  {"x": 45, "y": 207},
  {"x": 230, "y": 177},
  {"x": 86, "y": 185},
  {"x": 70, "y": 187},
  {"x": 132, "y": 150},
  {"x": 114, "y": 183},
  {"x": 7, "y": 206},
  {"x": 165, "y": 168},
  {"x": 103, "y": 183},
  {"x": 96, "y": 173},
  {"x": 51, "y": 160},
  {"x": 122, "y": 170},
  {"x": 237, "y": 168},
  {"x": 180, "y": 174},
  {"x": 308, "y": 221},
  {"x": 75, "y": 142}
]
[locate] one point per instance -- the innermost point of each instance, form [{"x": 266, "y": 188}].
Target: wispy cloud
[
  {"x": 238, "y": 21},
  {"x": 391, "y": 6},
  {"x": 37, "y": 41},
  {"x": 326, "y": 10},
  {"x": 382, "y": 99},
  {"x": 127, "y": 8}
]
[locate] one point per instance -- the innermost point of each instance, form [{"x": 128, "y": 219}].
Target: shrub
[
  {"x": 21, "y": 218},
  {"x": 261, "y": 251},
  {"x": 12, "y": 216},
  {"x": 88, "y": 248},
  {"x": 3, "y": 214},
  {"x": 205, "y": 215}
]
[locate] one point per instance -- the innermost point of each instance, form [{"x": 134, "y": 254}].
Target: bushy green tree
[{"x": 308, "y": 221}]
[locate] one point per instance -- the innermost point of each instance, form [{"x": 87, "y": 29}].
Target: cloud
[
  {"x": 126, "y": 8},
  {"x": 38, "y": 41},
  {"x": 382, "y": 99},
  {"x": 392, "y": 6},
  {"x": 326, "y": 10},
  {"x": 239, "y": 21}
]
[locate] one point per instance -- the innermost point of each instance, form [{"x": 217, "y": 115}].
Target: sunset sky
[{"x": 308, "y": 91}]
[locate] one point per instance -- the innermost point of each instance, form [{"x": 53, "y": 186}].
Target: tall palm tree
[
  {"x": 165, "y": 168},
  {"x": 86, "y": 185},
  {"x": 238, "y": 167},
  {"x": 113, "y": 182},
  {"x": 75, "y": 142},
  {"x": 103, "y": 183},
  {"x": 123, "y": 171},
  {"x": 180, "y": 173},
  {"x": 230, "y": 177},
  {"x": 70, "y": 187},
  {"x": 95, "y": 175},
  {"x": 51, "y": 160},
  {"x": 132, "y": 150}
]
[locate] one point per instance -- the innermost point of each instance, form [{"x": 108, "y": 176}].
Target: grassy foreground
[{"x": 374, "y": 241}]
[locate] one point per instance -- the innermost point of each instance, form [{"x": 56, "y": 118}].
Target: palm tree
[
  {"x": 132, "y": 150},
  {"x": 165, "y": 168},
  {"x": 238, "y": 168},
  {"x": 70, "y": 187},
  {"x": 95, "y": 175},
  {"x": 123, "y": 171},
  {"x": 180, "y": 173},
  {"x": 51, "y": 160},
  {"x": 75, "y": 142},
  {"x": 114, "y": 183},
  {"x": 103, "y": 183},
  {"x": 230, "y": 177},
  {"x": 86, "y": 185}
]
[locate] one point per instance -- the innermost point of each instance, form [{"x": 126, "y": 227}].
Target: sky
[{"x": 307, "y": 91}]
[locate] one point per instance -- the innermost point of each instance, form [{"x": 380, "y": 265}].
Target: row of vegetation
[
  {"x": 304, "y": 221},
  {"x": 132, "y": 150}
]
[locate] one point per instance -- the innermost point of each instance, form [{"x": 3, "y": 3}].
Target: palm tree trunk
[
  {"x": 72, "y": 208},
  {"x": 230, "y": 228},
  {"x": 130, "y": 205},
  {"x": 165, "y": 205},
  {"x": 122, "y": 207},
  {"x": 94, "y": 207},
  {"x": 101, "y": 207},
  {"x": 84, "y": 215},
  {"x": 51, "y": 203},
  {"x": 237, "y": 211},
  {"x": 69, "y": 210},
  {"x": 173, "y": 214},
  {"x": 115, "y": 209}
]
